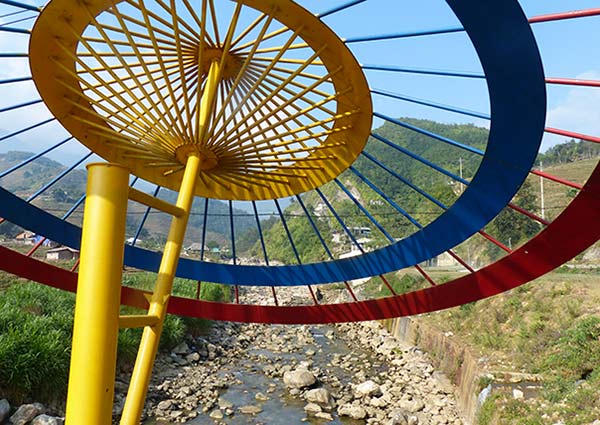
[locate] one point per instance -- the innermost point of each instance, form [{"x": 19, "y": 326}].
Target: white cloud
[{"x": 578, "y": 112}]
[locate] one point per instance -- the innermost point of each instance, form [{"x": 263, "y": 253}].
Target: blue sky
[{"x": 570, "y": 49}]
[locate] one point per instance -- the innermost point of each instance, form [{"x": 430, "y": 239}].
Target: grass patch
[{"x": 36, "y": 328}]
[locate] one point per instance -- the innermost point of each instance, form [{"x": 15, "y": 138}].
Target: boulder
[
  {"x": 26, "y": 413},
  {"x": 318, "y": 396},
  {"x": 312, "y": 409},
  {"x": 367, "y": 388},
  {"x": 45, "y": 420},
  {"x": 299, "y": 378},
  {"x": 250, "y": 410},
  {"x": 352, "y": 411},
  {"x": 4, "y": 409}
]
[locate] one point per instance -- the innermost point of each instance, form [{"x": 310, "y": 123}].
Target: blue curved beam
[{"x": 509, "y": 56}]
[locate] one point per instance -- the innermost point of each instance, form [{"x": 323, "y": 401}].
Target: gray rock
[
  {"x": 216, "y": 414},
  {"x": 4, "y": 409},
  {"x": 224, "y": 404},
  {"x": 398, "y": 419},
  {"x": 367, "y": 388},
  {"x": 324, "y": 416},
  {"x": 355, "y": 412},
  {"x": 312, "y": 409},
  {"x": 193, "y": 357},
  {"x": 318, "y": 396},
  {"x": 164, "y": 405},
  {"x": 26, "y": 413},
  {"x": 44, "y": 420},
  {"x": 299, "y": 378},
  {"x": 182, "y": 348},
  {"x": 250, "y": 410},
  {"x": 261, "y": 397},
  {"x": 412, "y": 406}
]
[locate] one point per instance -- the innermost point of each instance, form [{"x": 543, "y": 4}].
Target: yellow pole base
[{"x": 96, "y": 324}]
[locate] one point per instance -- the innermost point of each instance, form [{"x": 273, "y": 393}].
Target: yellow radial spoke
[
  {"x": 267, "y": 154},
  {"x": 165, "y": 108},
  {"x": 220, "y": 118},
  {"x": 260, "y": 146},
  {"x": 198, "y": 22},
  {"x": 190, "y": 41},
  {"x": 289, "y": 101},
  {"x": 125, "y": 54},
  {"x": 169, "y": 45},
  {"x": 130, "y": 65},
  {"x": 257, "y": 82},
  {"x": 213, "y": 18},
  {"x": 289, "y": 71},
  {"x": 174, "y": 104},
  {"x": 289, "y": 60},
  {"x": 233, "y": 177},
  {"x": 108, "y": 86},
  {"x": 266, "y": 173},
  {"x": 235, "y": 145},
  {"x": 247, "y": 30},
  {"x": 261, "y": 39},
  {"x": 115, "y": 118},
  {"x": 249, "y": 104},
  {"x": 199, "y": 90},
  {"x": 139, "y": 85},
  {"x": 278, "y": 48},
  {"x": 294, "y": 83},
  {"x": 186, "y": 100},
  {"x": 172, "y": 68},
  {"x": 192, "y": 36}
]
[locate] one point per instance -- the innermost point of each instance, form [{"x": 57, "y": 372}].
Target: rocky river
[{"x": 269, "y": 374}]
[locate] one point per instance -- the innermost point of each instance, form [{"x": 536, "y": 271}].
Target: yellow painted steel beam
[
  {"x": 96, "y": 323},
  {"x": 142, "y": 370},
  {"x": 137, "y": 321},
  {"x": 151, "y": 201}
]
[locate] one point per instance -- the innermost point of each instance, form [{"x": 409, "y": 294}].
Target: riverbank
[{"x": 351, "y": 374}]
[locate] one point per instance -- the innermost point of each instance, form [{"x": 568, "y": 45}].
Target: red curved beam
[{"x": 577, "y": 228}]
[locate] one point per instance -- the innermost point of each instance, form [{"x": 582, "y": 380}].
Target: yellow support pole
[
  {"x": 140, "y": 378},
  {"x": 96, "y": 323}
]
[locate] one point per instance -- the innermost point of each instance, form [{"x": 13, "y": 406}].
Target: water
[{"x": 281, "y": 408}]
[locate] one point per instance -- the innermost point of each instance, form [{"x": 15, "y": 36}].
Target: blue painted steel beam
[
  {"x": 204, "y": 220},
  {"x": 398, "y": 35},
  {"x": 387, "y": 198},
  {"x": 423, "y": 71},
  {"x": 364, "y": 210},
  {"x": 21, "y": 5},
  {"x": 404, "y": 180},
  {"x": 26, "y": 129},
  {"x": 144, "y": 218},
  {"x": 57, "y": 178},
  {"x": 15, "y": 80},
  {"x": 508, "y": 53},
  {"x": 33, "y": 158},
  {"x": 419, "y": 158},
  {"x": 260, "y": 233},
  {"x": 432, "y": 104},
  {"x": 20, "y": 105},
  {"x": 339, "y": 8},
  {"x": 430, "y": 134}
]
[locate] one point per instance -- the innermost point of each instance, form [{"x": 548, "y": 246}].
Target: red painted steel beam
[
  {"x": 573, "y": 82},
  {"x": 572, "y": 135},
  {"x": 577, "y": 228},
  {"x": 565, "y": 15},
  {"x": 557, "y": 179}
]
